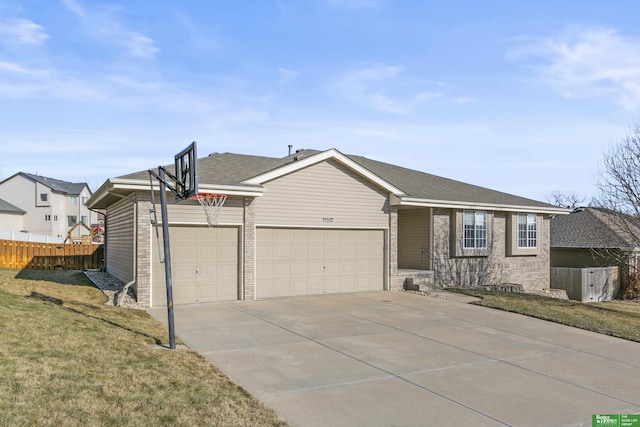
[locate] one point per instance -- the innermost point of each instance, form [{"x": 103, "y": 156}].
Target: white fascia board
[
  {"x": 115, "y": 184},
  {"x": 449, "y": 204},
  {"x": 320, "y": 157},
  {"x": 232, "y": 190}
]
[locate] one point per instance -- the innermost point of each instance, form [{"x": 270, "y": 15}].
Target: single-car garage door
[
  {"x": 204, "y": 265},
  {"x": 316, "y": 261}
]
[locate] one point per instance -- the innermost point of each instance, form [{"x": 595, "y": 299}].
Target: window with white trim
[
  {"x": 73, "y": 200},
  {"x": 475, "y": 229},
  {"x": 84, "y": 219},
  {"x": 527, "y": 231},
  {"x": 47, "y": 217},
  {"x": 71, "y": 220},
  {"x": 44, "y": 197}
]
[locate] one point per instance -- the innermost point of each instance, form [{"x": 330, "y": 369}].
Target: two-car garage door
[{"x": 316, "y": 261}]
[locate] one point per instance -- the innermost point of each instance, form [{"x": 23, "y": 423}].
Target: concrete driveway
[{"x": 400, "y": 359}]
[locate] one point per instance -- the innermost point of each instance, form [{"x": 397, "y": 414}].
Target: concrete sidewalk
[{"x": 399, "y": 359}]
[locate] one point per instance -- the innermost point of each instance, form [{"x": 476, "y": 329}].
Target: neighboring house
[
  {"x": 320, "y": 222},
  {"x": 50, "y": 207},
  {"x": 593, "y": 252},
  {"x": 595, "y": 237}
]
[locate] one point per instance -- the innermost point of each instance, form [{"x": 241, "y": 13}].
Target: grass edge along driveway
[
  {"x": 614, "y": 318},
  {"x": 66, "y": 359}
]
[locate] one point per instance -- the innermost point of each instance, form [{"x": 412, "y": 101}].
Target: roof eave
[
  {"x": 453, "y": 204},
  {"x": 118, "y": 185}
]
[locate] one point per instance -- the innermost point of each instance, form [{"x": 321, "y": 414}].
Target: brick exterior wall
[
  {"x": 395, "y": 282},
  {"x": 530, "y": 271},
  {"x": 144, "y": 241},
  {"x": 249, "y": 250}
]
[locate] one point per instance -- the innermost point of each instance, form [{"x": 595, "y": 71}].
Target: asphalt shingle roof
[
  {"x": 426, "y": 186},
  {"x": 9, "y": 208},
  {"x": 233, "y": 169},
  {"x": 585, "y": 228},
  {"x": 72, "y": 188}
]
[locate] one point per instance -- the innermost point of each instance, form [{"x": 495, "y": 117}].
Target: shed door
[
  {"x": 315, "y": 261},
  {"x": 204, "y": 265}
]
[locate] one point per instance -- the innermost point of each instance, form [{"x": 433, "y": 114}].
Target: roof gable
[
  {"x": 304, "y": 162},
  {"x": 56, "y": 185}
]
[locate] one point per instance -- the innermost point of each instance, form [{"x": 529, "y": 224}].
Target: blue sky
[{"x": 518, "y": 96}]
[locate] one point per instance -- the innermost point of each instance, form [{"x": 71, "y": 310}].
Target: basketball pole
[
  {"x": 183, "y": 187},
  {"x": 167, "y": 258}
]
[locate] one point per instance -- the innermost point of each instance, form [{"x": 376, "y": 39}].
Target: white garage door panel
[
  {"x": 204, "y": 265},
  {"x": 315, "y": 261}
]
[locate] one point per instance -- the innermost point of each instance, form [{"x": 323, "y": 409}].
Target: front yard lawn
[
  {"x": 613, "y": 318},
  {"x": 68, "y": 360}
]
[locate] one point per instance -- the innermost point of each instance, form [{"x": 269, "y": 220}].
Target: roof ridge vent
[{"x": 578, "y": 209}]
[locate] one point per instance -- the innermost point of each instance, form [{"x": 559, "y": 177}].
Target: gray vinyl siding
[
  {"x": 190, "y": 212},
  {"x": 414, "y": 235},
  {"x": 323, "y": 195},
  {"x": 119, "y": 241}
]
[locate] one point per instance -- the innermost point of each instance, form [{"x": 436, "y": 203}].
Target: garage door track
[{"x": 400, "y": 359}]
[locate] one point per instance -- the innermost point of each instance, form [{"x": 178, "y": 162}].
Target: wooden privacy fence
[
  {"x": 590, "y": 284},
  {"x": 50, "y": 256}
]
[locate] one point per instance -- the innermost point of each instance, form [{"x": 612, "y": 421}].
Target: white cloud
[
  {"x": 425, "y": 96},
  {"x": 20, "y": 69},
  {"x": 365, "y": 86},
  {"x": 388, "y": 89},
  {"x": 22, "y": 31},
  {"x": 74, "y": 7},
  {"x": 104, "y": 24},
  {"x": 587, "y": 63},
  {"x": 287, "y": 76}
]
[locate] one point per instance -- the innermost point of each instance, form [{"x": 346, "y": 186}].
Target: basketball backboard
[{"x": 186, "y": 163}]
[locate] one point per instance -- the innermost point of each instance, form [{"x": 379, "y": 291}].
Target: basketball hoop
[{"x": 211, "y": 203}]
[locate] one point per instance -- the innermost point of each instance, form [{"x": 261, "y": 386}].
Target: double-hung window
[
  {"x": 475, "y": 229},
  {"x": 527, "y": 231}
]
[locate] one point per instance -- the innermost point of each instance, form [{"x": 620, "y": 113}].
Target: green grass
[
  {"x": 68, "y": 360},
  {"x": 613, "y": 318}
]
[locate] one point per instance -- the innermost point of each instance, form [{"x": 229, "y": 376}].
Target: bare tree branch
[
  {"x": 565, "y": 200},
  {"x": 619, "y": 194}
]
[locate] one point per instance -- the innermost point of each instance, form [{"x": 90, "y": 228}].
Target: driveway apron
[{"x": 401, "y": 359}]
